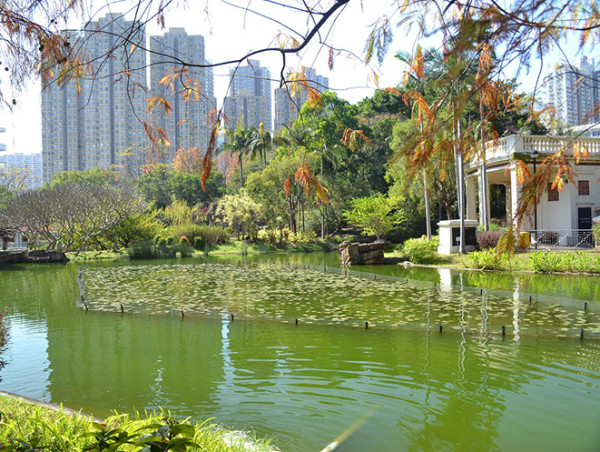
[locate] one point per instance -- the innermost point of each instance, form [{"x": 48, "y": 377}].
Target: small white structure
[
  {"x": 449, "y": 231},
  {"x": 563, "y": 218}
]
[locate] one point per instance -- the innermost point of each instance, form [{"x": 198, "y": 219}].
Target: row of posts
[{"x": 296, "y": 321}]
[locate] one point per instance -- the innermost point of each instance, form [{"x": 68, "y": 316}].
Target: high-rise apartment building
[
  {"x": 186, "y": 125},
  {"x": 250, "y": 96},
  {"x": 288, "y": 101},
  {"x": 96, "y": 124},
  {"x": 574, "y": 91},
  {"x": 31, "y": 164}
]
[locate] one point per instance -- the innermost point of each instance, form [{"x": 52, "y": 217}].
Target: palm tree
[
  {"x": 238, "y": 141},
  {"x": 261, "y": 143}
]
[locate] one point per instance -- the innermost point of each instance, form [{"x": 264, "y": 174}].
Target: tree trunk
[
  {"x": 427, "y": 216},
  {"x": 241, "y": 172},
  {"x": 485, "y": 202},
  {"x": 460, "y": 181}
]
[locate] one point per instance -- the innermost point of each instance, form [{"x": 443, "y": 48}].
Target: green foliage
[
  {"x": 185, "y": 248},
  {"x": 137, "y": 227},
  {"x": 150, "y": 250},
  {"x": 162, "y": 185},
  {"x": 280, "y": 209},
  {"x": 577, "y": 262},
  {"x": 376, "y": 214},
  {"x": 487, "y": 259},
  {"x": 142, "y": 250},
  {"x": 28, "y": 427},
  {"x": 241, "y": 213},
  {"x": 178, "y": 213},
  {"x": 95, "y": 176},
  {"x": 596, "y": 233},
  {"x": 384, "y": 102},
  {"x": 421, "y": 251}
]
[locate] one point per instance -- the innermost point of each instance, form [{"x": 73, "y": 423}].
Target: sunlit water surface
[{"x": 398, "y": 385}]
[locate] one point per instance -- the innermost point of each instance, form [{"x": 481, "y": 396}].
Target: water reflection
[
  {"x": 285, "y": 293},
  {"x": 306, "y": 384}
]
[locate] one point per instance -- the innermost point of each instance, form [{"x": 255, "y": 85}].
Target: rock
[
  {"x": 354, "y": 253},
  {"x": 32, "y": 256}
]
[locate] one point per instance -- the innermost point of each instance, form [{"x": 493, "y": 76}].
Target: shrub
[
  {"x": 166, "y": 250},
  {"x": 376, "y": 214},
  {"x": 485, "y": 259},
  {"x": 420, "y": 251},
  {"x": 189, "y": 231},
  {"x": 489, "y": 239},
  {"x": 212, "y": 235},
  {"x": 596, "y": 233},
  {"x": 185, "y": 248},
  {"x": 198, "y": 243},
  {"x": 142, "y": 250},
  {"x": 542, "y": 261}
]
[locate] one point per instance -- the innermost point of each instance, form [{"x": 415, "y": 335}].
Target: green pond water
[{"x": 398, "y": 385}]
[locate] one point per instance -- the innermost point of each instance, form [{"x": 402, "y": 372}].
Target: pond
[{"x": 399, "y": 384}]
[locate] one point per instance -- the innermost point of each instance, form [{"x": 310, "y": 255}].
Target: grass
[
  {"x": 567, "y": 261},
  {"x": 27, "y": 426}
]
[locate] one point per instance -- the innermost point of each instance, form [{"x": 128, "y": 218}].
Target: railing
[
  {"x": 503, "y": 148},
  {"x": 572, "y": 238}
]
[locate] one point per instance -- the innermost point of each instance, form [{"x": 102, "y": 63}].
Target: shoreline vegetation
[
  {"x": 542, "y": 261},
  {"x": 28, "y": 424}
]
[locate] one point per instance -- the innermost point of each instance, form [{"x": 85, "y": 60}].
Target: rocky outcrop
[
  {"x": 32, "y": 256},
  {"x": 355, "y": 253}
]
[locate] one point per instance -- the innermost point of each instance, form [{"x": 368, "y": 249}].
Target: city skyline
[{"x": 349, "y": 77}]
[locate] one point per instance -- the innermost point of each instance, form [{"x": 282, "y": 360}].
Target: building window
[
  {"x": 552, "y": 193},
  {"x": 583, "y": 187}
]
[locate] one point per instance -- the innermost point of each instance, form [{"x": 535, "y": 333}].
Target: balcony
[{"x": 505, "y": 148}]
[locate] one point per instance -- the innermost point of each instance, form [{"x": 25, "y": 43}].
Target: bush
[
  {"x": 142, "y": 250},
  {"x": 578, "y": 262},
  {"x": 212, "y": 235},
  {"x": 198, "y": 243},
  {"x": 27, "y": 426},
  {"x": 489, "y": 239},
  {"x": 484, "y": 260},
  {"x": 420, "y": 251},
  {"x": 542, "y": 261},
  {"x": 185, "y": 248},
  {"x": 166, "y": 250}
]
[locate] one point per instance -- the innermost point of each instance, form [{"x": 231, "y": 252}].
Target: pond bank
[
  {"x": 47, "y": 425},
  {"x": 31, "y": 257}
]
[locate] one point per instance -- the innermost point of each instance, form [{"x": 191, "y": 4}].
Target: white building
[
  {"x": 289, "y": 101},
  {"x": 563, "y": 218},
  {"x": 250, "y": 96},
  {"x": 30, "y": 163},
  {"x": 186, "y": 125},
  {"x": 574, "y": 91},
  {"x": 94, "y": 127}
]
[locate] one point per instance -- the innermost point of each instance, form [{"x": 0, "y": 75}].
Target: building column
[
  {"x": 472, "y": 198},
  {"x": 514, "y": 193}
]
